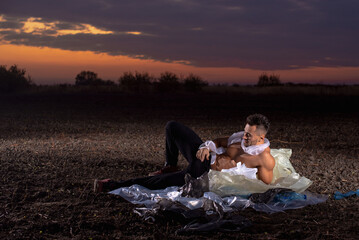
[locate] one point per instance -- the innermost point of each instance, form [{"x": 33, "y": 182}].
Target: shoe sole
[{"x": 96, "y": 187}]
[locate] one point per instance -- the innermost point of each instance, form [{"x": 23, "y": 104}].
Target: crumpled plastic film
[
  {"x": 212, "y": 212},
  {"x": 284, "y": 176},
  {"x": 137, "y": 194},
  {"x": 283, "y": 167},
  {"x": 195, "y": 187},
  {"x": 217, "y": 209},
  {"x": 289, "y": 200},
  {"x": 338, "y": 195},
  {"x": 273, "y": 200},
  {"x": 228, "y": 223}
]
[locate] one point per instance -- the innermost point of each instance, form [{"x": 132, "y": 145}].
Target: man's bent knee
[{"x": 171, "y": 125}]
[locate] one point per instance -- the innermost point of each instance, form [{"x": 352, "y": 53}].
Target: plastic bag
[
  {"x": 214, "y": 210},
  {"x": 284, "y": 176},
  {"x": 339, "y": 195},
  {"x": 195, "y": 187},
  {"x": 211, "y": 212},
  {"x": 289, "y": 200}
]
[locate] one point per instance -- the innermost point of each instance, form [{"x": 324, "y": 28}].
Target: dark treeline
[
  {"x": 15, "y": 79},
  {"x": 139, "y": 82}
]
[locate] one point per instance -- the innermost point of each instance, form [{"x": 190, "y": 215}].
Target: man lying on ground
[{"x": 249, "y": 148}]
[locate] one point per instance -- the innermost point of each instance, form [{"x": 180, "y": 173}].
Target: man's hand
[
  {"x": 202, "y": 154},
  {"x": 223, "y": 161}
]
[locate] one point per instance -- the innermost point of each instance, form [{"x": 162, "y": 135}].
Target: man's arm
[
  {"x": 203, "y": 153},
  {"x": 265, "y": 170},
  {"x": 221, "y": 142},
  {"x": 263, "y": 162},
  {"x": 223, "y": 161}
]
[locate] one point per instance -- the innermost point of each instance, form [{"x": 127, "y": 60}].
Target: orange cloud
[{"x": 37, "y": 26}]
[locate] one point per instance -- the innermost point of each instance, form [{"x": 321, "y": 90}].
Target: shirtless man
[
  {"x": 250, "y": 147},
  {"x": 253, "y": 135}
]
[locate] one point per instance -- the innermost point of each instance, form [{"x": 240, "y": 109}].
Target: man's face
[{"x": 250, "y": 136}]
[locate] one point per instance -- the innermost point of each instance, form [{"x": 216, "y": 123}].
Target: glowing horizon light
[{"x": 55, "y": 66}]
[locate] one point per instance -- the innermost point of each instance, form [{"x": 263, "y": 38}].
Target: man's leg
[
  {"x": 183, "y": 139},
  {"x": 151, "y": 182},
  {"x": 178, "y": 138}
]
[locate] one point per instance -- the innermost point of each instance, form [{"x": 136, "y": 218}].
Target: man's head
[{"x": 255, "y": 130}]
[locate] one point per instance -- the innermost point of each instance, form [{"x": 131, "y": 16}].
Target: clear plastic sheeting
[
  {"x": 281, "y": 199},
  {"x": 208, "y": 218},
  {"x": 212, "y": 212},
  {"x": 288, "y": 200},
  {"x": 338, "y": 195},
  {"x": 137, "y": 194},
  {"x": 212, "y": 201},
  {"x": 284, "y": 176}
]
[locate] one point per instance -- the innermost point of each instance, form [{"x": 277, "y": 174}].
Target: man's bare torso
[{"x": 264, "y": 162}]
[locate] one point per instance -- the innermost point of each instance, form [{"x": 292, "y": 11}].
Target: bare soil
[{"x": 52, "y": 147}]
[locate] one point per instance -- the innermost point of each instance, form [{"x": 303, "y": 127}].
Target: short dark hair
[{"x": 258, "y": 120}]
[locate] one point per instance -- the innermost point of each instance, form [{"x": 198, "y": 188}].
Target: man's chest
[
  {"x": 236, "y": 153},
  {"x": 234, "y": 150}
]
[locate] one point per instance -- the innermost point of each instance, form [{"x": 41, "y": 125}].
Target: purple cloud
[{"x": 267, "y": 35}]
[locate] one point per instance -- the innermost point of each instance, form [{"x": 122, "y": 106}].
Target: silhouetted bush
[
  {"x": 137, "y": 82},
  {"x": 194, "y": 83},
  {"x": 87, "y": 78},
  {"x": 168, "y": 82},
  {"x": 13, "y": 79},
  {"x": 265, "y": 80},
  {"x": 108, "y": 83}
]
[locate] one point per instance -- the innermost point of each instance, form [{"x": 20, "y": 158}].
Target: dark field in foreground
[{"x": 52, "y": 147}]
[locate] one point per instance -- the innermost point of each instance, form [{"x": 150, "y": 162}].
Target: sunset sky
[{"x": 228, "y": 41}]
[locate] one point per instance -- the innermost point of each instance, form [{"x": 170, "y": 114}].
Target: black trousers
[{"x": 179, "y": 138}]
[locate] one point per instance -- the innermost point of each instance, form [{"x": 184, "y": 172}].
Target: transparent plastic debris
[
  {"x": 286, "y": 200},
  {"x": 227, "y": 223},
  {"x": 338, "y": 195},
  {"x": 211, "y": 211},
  {"x": 138, "y": 194},
  {"x": 195, "y": 187},
  {"x": 210, "y": 217},
  {"x": 212, "y": 201},
  {"x": 281, "y": 199},
  {"x": 284, "y": 176}
]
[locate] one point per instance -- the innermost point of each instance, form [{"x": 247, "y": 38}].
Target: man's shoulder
[
  {"x": 265, "y": 153},
  {"x": 267, "y": 159}
]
